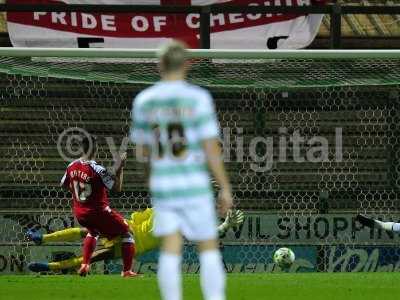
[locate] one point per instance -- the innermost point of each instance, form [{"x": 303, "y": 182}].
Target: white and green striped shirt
[{"x": 174, "y": 118}]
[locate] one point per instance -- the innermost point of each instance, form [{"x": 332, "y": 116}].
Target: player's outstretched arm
[
  {"x": 119, "y": 172},
  {"x": 215, "y": 163},
  {"x": 374, "y": 223},
  {"x": 233, "y": 218}
]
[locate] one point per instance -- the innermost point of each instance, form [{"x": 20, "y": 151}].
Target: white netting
[{"x": 293, "y": 195}]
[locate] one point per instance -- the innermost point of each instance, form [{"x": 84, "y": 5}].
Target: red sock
[
  {"x": 89, "y": 244},
  {"x": 128, "y": 251}
]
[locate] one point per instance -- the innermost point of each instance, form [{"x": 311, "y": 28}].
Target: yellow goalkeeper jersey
[{"x": 141, "y": 225}]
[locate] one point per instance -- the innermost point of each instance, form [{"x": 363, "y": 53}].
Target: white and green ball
[{"x": 284, "y": 257}]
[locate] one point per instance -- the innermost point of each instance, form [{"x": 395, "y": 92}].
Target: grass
[{"x": 309, "y": 286}]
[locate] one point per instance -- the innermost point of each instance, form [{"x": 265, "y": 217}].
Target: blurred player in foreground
[
  {"x": 176, "y": 128},
  {"x": 377, "y": 224},
  {"x": 89, "y": 183},
  {"x": 140, "y": 225}
]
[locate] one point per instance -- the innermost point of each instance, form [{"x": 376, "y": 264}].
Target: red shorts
[{"x": 108, "y": 223}]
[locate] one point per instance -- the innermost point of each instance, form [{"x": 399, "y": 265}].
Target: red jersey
[{"x": 89, "y": 183}]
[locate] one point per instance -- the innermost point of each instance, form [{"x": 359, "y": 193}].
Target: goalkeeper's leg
[
  {"x": 374, "y": 223},
  {"x": 66, "y": 235},
  {"x": 71, "y": 263}
]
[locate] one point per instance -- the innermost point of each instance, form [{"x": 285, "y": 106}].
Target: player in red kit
[{"x": 89, "y": 184}]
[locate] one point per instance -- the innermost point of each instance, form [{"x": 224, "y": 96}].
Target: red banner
[{"x": 236, "y": 30}]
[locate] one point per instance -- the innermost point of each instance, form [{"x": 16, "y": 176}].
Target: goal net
[{"x": 311, "y": 138}]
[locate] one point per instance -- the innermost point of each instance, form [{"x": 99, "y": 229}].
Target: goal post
[{"x": 310, "y": 138}]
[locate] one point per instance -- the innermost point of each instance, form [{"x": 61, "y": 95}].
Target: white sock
[
  {"x": 212, "y": 275},
  {"x": 169, "y": 276},
  {"x": 389, "y": 226},
  {"x": 396, "y": 227}
]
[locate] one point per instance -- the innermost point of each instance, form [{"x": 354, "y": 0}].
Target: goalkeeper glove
[{"x": 233, "y": 218}]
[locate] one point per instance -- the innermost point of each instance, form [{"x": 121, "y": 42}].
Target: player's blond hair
[{"x": 173, "y": 56}]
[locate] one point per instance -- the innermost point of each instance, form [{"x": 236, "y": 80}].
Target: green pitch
[{"x": 240, "y": 287}]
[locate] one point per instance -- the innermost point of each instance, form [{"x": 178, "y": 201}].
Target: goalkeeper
[{"x": 140, "y": 225}]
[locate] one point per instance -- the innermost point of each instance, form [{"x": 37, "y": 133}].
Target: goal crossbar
[{"x": 203, "y": 53}]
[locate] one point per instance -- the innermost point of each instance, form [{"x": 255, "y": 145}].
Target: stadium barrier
[{"x": 336, "y": 11}]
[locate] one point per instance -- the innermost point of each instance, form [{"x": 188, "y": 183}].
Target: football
[{"x": 284, "y": 257}]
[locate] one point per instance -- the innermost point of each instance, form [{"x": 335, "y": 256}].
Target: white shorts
[{"x": 196, "y": 220}]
